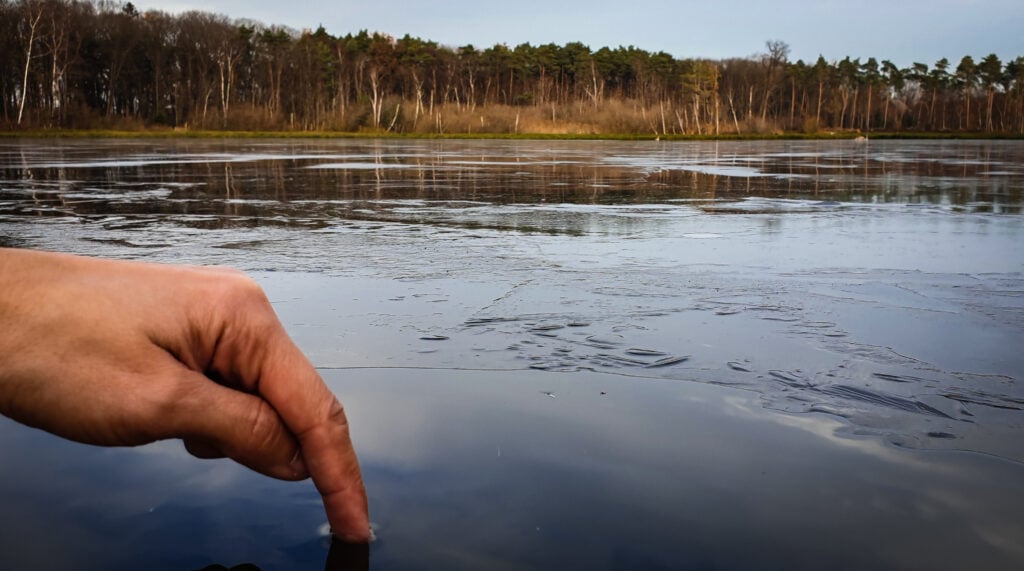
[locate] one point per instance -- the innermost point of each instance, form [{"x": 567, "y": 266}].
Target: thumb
[{"x": 217, "y": 421}]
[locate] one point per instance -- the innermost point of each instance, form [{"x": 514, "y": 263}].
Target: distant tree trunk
[
  {"x": 696, "y": 113},
  {"x": 988, "y": 115},
  {"x": 817, "y": 114},
  {"x": 341, "y": 98},
  {"x": 1020, "y": 114},
  {"x": 867, "y": 115},
  {"x": 732, "y": 108},
  {"x": 206, "y": 104},
  {"x": 274, "y": 71},
  {"x": 750, "y": 102},
  {"x": 58, "y": 47},
  {"x": 764, "y": 105},
  {"x": 226, "y": 63},
  {"x": 853, "y": 109},
  {"x": 962, "y": 122},
  {"x": 33, "y": 23},
  {"x": 471, "y": 95},
  {"x": 225, "y": 89},
  {"x": 661, "y": 105},
  {"x": 418, "y": 88},
  {"x": 885, "y": 114},
  {"x": 594, "y": 90},
  {"x": 376, "y": 97},
  {"x": 717, "y": 105},
  {"x": 792, "y": 103},
  {"x": 845, "y": 94}
]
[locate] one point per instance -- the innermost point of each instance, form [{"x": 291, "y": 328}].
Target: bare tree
[
  {"x": 32, "y": 13},
  {"x": 229, "y": 50},
  {"x": 990, "y": 72},
  {"x": 774, "y": 60}
]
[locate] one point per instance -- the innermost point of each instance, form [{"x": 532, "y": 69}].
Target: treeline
[{"x": 83, "y": 64}]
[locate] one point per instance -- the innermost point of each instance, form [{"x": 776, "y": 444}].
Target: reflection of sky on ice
[
  {"x": 68, "y": 506},
  {"x": 480, "y": 468},
  {"x": 663, "y": 468}
]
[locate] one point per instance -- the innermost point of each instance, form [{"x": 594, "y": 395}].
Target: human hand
[{"x": 121, "y": 353}]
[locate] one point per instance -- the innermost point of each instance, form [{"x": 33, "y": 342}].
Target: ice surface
[{"x": 879, "y": 283}]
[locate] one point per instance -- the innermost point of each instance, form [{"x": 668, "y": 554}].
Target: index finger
[
  {"x": 292, "y": 386},
  {"x": 243, "y": 343}
]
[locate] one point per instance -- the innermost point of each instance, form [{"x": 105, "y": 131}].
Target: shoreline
[{"x": 218, "y": 134}]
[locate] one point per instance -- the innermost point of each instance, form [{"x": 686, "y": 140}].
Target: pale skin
[{"x": 119, "y": 353}]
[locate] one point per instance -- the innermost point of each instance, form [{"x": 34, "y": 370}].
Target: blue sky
[{"x": 903, "y": 31}]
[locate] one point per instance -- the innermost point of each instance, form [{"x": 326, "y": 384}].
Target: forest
[{"x": 70, "y": 64}]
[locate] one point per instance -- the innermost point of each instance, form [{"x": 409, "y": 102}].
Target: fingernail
[{"x": 298, "y": 465}]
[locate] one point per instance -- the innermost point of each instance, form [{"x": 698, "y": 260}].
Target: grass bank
[{"x": 157, "y": 133}]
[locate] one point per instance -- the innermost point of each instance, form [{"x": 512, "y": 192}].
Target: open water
[{"x": 757, "y": 355}]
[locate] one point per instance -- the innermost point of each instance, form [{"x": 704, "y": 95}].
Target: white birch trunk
[{"x": 33, "y": 24}]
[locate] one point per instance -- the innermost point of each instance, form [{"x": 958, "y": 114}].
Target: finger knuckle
[
  {"x": 263, "y": 427},
  {"x": 240, "y": 296},
  {"x": 333, "y": 420},
  {"x": 336, "y": 413},
  {"x": 236, "y": 286}
]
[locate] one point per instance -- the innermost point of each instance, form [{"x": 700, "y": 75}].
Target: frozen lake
[{"x": 571, "y": 354}]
